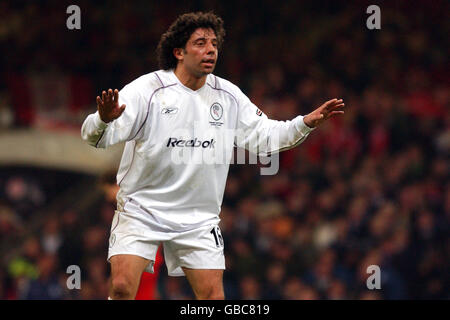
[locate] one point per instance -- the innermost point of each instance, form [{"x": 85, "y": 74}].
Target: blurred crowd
[{"x": 369, "y": 188}]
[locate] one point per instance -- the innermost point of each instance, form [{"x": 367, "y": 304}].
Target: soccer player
[{"x": 164, "y": 199}]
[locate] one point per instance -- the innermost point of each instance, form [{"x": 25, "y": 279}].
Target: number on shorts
[{"x": 217, "y": 236}]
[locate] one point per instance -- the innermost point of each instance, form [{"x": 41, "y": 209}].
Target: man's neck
[{"x": 189, "y": 80}]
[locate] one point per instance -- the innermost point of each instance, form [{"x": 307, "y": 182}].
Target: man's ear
[{"x": 178, "y": 53}]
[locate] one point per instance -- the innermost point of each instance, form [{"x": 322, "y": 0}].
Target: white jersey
[{"x": 168, "y": 128}]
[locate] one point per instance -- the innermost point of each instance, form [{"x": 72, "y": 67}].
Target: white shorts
[{"x": 200, "y": 248}]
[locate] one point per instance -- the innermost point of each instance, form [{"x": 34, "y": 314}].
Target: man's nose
[{"x": 210, "y": 48}]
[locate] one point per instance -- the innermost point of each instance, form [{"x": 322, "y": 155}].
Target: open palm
[
  {"x": 326, "y": 111},
  {"x": 108, "y": 106}
]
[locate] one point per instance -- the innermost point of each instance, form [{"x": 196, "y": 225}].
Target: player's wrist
[
  {"x": 301, "y": 126},
  {"x": 308, "y": 122},
  {"x": 99, "y": 121}
]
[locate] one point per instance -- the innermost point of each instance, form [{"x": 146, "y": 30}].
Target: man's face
[{"x": 200, "y": 54}]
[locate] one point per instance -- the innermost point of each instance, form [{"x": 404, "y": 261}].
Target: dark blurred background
[{"x": 369, "y": 188}]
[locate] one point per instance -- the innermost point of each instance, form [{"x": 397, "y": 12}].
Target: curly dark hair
[{"x": 181, "y": 30}]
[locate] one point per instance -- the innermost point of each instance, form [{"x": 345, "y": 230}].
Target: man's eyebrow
[{"x": 204, "y": 39}]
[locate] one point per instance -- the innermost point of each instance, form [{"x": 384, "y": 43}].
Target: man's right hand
[{"x": 108, "y": 106}]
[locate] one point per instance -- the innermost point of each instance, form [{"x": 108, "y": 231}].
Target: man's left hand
[{"x": 326, "y": 111}]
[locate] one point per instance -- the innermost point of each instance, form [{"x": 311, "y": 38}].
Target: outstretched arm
[
  {"x": 265, "y": 136},
  {"x": 114, "y": 122}
]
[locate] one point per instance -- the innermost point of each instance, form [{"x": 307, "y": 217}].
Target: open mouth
[{"x": 208, "y": 62}]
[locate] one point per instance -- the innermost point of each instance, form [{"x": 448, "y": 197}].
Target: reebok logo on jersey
[
  {"x": 172, "y": 110},
  {"x": 193, "y": 143}
]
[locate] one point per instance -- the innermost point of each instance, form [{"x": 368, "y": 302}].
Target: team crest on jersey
[
  {"x": 216, "y": 112},
  {"x": 259, "y": 112}
]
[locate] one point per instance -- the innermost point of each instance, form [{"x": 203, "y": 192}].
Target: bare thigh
[
  {"x": 206, "y": 283},
  {"x": 126, "y": 272}
]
